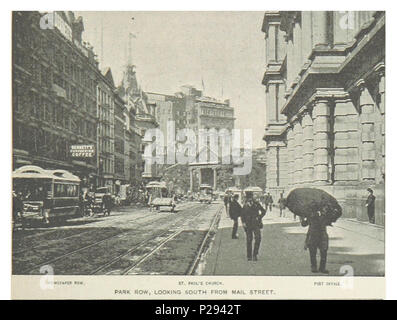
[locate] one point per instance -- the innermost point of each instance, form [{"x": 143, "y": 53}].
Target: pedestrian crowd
[{"x": 251, "y": 213}]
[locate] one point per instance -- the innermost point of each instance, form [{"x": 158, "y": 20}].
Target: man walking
[
  {"x": 234, "y": 213},
  {"x": 226, "y": 201},
  {"x": 317, "y": 238},
  {"x": 370, "y": 204},
  {"x": 282, "y": 204},
  {"x": 252, "y": 223},
  {"x": 269, "y": 201}
]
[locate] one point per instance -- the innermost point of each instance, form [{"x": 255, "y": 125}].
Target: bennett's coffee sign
[{"x": 82, "y": 150}]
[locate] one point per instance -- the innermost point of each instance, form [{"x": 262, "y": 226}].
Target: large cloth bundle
[{"x": 305, "y": 201}]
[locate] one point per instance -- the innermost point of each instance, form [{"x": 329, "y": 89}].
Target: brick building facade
[{"x": 53, "y": 93}]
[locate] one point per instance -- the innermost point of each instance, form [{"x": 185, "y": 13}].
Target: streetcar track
[
  {"x": 37, "y": 266},
  {"x": 31, "y": 269},
  {"x": 58, "y": 239},
  {"x": 73, "y": 235},
  {"x": 142, "y": 243},
  {"x": 199, "y": 254},
  {"x": 149, "y": 254},
  {"x": 134, "y": 248},
  {"x": 159, "y": 245},
  {"x": 45, "y": 232}
]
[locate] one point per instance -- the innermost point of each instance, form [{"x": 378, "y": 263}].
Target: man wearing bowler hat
[{"x": 234, "y": 213}]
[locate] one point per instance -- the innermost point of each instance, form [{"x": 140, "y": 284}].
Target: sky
[{"x": 223, "y": 50}]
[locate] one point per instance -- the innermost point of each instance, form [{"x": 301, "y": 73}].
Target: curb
[{"x": 365, "y": 223}]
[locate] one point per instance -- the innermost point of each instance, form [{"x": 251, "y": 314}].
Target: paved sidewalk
[{"x": 352, "y": 243}]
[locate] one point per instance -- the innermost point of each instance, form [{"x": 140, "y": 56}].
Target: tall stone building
[
  {"x": 53, "y": 92},
  {"x": 190, "y": 109},
  {"x": 106, "y": 138},
  {"x": 325, "y": 106},
  {"x": 204, "y": 113},
  {"x": 165, "y": 111}
]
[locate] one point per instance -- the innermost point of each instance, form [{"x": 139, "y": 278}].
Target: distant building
[
  {"x": 144, "y": 119},
  {"x": 105, "y": 102},
  {"x": 165, "y": 110},
  {"x": 121, "y": 157},
  {"x": 325, "y": 90},
  {"x": 189, "y": 109}
]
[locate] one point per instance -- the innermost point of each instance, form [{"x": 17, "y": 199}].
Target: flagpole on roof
[{"x": 201, "y": 69}]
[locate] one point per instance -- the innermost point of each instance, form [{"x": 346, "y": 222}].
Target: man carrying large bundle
[
  {"x": 316, "y": 238},
  {"x": 316, "y": 209}
]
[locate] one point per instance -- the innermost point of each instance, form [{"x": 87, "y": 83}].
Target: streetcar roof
[
  {"x": 156, "y": 184},
  {"x": 253, "y": 189},
  {"x": 35, "y": 172},
  {"x": 233, "y": 189}
]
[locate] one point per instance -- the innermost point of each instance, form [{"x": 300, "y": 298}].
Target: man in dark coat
[
  {"x": 282, "y": 202},
  {"x": 252, "y": 214},
  {"x": 226, "y": 201},
  {"x": 234, "y": 213},
  {"x": 317, "y": 238},
  {"x": 370, "y": 204}
]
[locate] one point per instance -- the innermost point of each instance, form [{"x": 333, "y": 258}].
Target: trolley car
[
  {"x": 47, "y": 195},
  {"x": 159, "y": 195},
  {"x": 206, "y": 193}
]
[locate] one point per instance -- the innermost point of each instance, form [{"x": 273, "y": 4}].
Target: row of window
[
  {"x": 217, "y": 113},
  {"x": 104, "y": 98},
  {"x": 75, "y": 96},
  {"x": 106, "y": 165},
  {"x": 42, "y": 109},
  {"x": 119, "y": 145},
  {"x": 119, "y": 166},
  {"x": 106, "y": 145},
  {"x": 65, "y": 190}
]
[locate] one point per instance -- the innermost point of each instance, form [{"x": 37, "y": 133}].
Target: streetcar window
[
  {"x": 65, "y": 190},
  {"x": 32, "y": 189}
]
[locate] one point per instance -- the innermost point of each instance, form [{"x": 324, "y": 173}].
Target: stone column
[
  {"x": 291, "y": 156},
  {"x": 298, "y": 151},
  {"x": 271, "y": 165},
  {"x": 281, "y": 100},
  {"x": 381, "y": 92},
  {"x": 283, "y": 166},
  {"x": 320, "y": 28},
  {"x": 308, "y": 152},
  {"x": 297, "y": 31},
  {"x": 367, "y": 120},
  {"x": 272, "y": 99},
  {"x": 271, "y": 42},
  {"x": 290, "y": 61},
  {"x": 215, "y": 178},
  {"x": 380, "y": 69},
  {"x": 321, "y": 145},
  {"x": 347, "y": 141},
  {"x": 307, "y": 45},
  {"x": 199, "y": 176}
]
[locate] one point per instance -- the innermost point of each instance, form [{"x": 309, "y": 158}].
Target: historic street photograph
[{"x": 220, "y": 143}]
